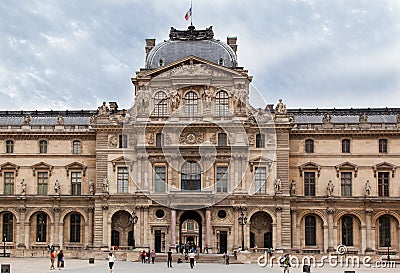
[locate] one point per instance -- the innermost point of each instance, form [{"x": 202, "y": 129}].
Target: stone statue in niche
[
  {"x": 330, "y": 188},
  {"x": 207, "y": 98},
  {"x": 91, "y": 187},
  {"x": 23, "y": 187},
  {"x": 175, "y": 99},
  {"x": 277, "y": 185},
  {"x": 57, "y": 187},
  {"x": 105, "y": 184},
  {"x": 293, "y": 188},
  {"x": 367, "y": 188}
]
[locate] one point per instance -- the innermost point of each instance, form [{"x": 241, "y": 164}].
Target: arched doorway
[
  {"x": 121, "y": 229},
  {"x": 187, "y": 236},
  {"x": 261, "y": 230}
]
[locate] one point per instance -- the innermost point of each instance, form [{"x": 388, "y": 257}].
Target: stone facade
[{"x": 189, "y": 158}]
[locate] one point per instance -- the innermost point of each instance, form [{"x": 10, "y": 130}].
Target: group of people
[
  {"x": 145, "y": 256},
  {"x": 53, "y": 255}
]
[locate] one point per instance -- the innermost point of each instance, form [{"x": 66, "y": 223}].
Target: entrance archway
[
  {"x": 261, "y": 230},
  {"x": 184, "y": 233},
  {"x": 121, "y": 229}
]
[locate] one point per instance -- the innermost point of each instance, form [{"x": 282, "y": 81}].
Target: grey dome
[{"x": 198, "y": 43}]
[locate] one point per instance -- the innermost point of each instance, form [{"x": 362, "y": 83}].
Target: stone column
[
  {"x": 173, "y": 228},
  {"x": 208, "y": 226},
  {"x": 20, "y": 230},
  {"x": 278, "y": 227},
  {"x": 56, "y": 228},
  {"x": 295, "y": 243},
  {"x": 326, "y": 238},
  {"x": 330, "y": 229},
  {"x": 146, "y": 225},
  {"x": 368, "y": 232}
]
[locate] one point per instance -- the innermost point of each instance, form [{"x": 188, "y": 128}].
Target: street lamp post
[
  {"x": 133, "y": 219},
  {"x": 242, "y": 221}
]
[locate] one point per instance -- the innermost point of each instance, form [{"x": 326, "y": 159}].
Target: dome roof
[{"x": 184, "y": 43}]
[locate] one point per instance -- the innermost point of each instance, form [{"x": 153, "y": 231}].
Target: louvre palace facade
[{"x": 192, "y": 159}]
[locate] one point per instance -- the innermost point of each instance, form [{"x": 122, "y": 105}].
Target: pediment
[
  {"x": 384, "y": 166},
  {"x": 76, "y": 166},
  {"x": 260, "y": 161},
  {"x": 346, "y": 166},
  {"x": 9, "y": 166},
  {"x": 310, "y": 166},
  {"x": 191, "y": 66},
  {"x": 122, "y": 160},
  {"x": 42, "y": 166}
]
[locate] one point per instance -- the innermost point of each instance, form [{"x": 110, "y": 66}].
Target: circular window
[
  {"x": 222, "y": 214},
  {"x": 160, "y": 213}
]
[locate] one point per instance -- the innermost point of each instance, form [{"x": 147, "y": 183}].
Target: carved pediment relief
[
  {"x": 41, "y": 166},
  {"x": 9, "y": 166},
  {"x": 310, "y": 166},
  {"x": 76, "y": 166},
  {"x": 384, "y": 166},
  {"x": 346, "y": 166}
]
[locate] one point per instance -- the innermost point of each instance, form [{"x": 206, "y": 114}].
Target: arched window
[
  {"x": 43, "y": 146},
  {"x": 191, "y": 176},
  {"x": 309, "y": 146},
  {"x": 221, "y": 103},
  {"x": 384, "y": 231},
  {"x": 75, "y": 228},
  {"x": 8, "y": 220},
  {"x": 9, "y": 146},
  {"x": 160, "y": 104},
  {"x": 76, "y": 147},
  {"x": 114, "y": 237},
  {"x": 310, "y": 230},
  {"x": 41, "y": 227},
  {"x": 222, "y": 140},
  {"x": 347, "y": 230},
  {"x": 191, "y": 103}
]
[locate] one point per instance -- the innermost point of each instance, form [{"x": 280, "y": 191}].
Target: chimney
[
  {"x": 231, "y": 41},
  {"x": 150, "y": 43}
]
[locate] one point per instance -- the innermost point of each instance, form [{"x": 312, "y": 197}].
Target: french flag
[{"x": 188, "y": 14}]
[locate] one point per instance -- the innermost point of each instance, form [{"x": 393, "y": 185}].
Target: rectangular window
[
  {"x": 76, "y": 183},
  {"x": 76, "y": 147},
  {"x": 346, "y": 183},
  {"x": 43, "y": 147},
  {"x": 190, "y": 225},
  {"x": 310, "y": 231},
  {"x": 75, "y": 228},
  {"x": 123, "y": 141},
  {"x": 159, "y": 140},
  {"x": 383, "y": 184},
  {"x": 222, "y": 140},
  {"x": 260, "y": 177},
  {"x": 309, "y": 183},
  {"x": 309, "y": 146},
  {"x": 43, "y": 180},
  {"x": 160, "y": 179},
  {"x": 9, "y": 146},
  {"x": 346, "y": 146},
  {"x": 8, "y": 220},
  {"x": 260, "y": 141},
  {"x": 123, "y": 180},
  {"x": 383, "y": 145},
  {"x": 222, "y": 179},
  {"x": 9, "y": 183}
]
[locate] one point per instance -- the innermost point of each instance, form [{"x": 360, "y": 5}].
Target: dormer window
[
  {"x": 160, "y": 62},
  {"x": 221, "y": 61}
]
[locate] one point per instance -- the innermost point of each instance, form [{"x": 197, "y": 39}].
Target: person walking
[
  {"x": 148, "y": 256},
  {"x": 52, "y": 259},
  {"x": 111, "y": 261},
  {"x": 286, "y": 263},
  {"x": 227, "y": 258},
  {"x": 153, "y": 256},
  {"x": 60, "y": 260},
  {"x": 169, "y": 259},
  {"x": 191, "y": 259}
]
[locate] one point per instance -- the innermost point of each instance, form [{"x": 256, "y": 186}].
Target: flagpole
[{"x": 191, "y": 15}]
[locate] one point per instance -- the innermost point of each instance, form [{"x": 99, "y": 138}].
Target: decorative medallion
[{"x": 191, "y": 138}]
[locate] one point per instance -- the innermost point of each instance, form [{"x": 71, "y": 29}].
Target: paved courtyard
[{"x": 39, "y": 265}]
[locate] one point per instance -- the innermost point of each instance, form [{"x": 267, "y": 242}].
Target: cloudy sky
[{"x": 314, "y": 54}]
